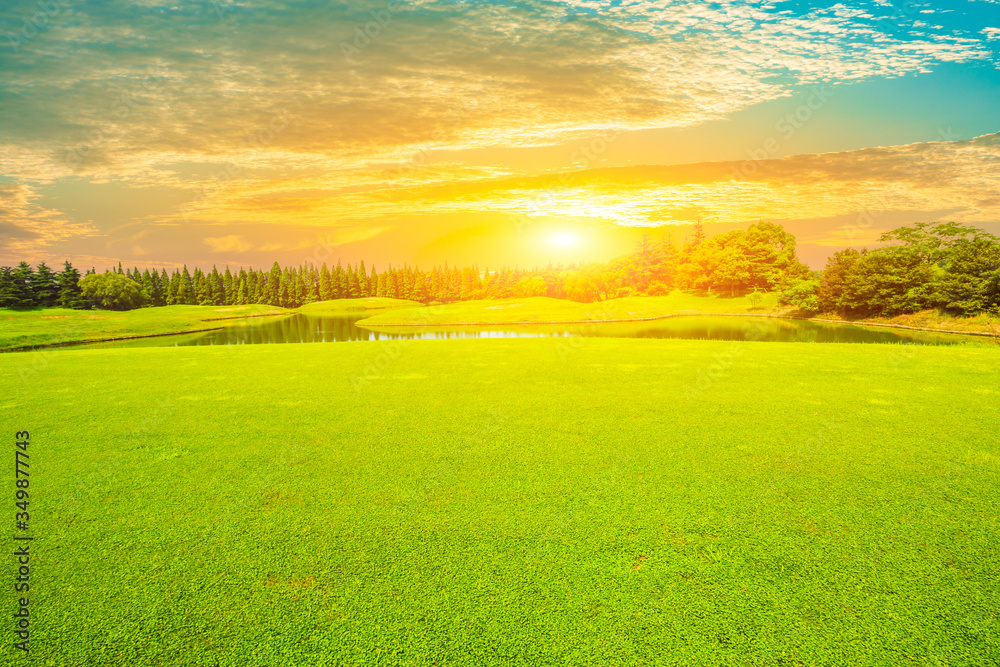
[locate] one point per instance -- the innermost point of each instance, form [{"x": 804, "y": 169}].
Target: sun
[{"x": 564, "y": 239}]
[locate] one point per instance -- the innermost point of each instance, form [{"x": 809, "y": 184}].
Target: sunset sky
[{"x": 489, "y": 132}]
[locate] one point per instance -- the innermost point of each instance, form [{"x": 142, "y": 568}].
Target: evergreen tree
[
  {"x": 23, "y": 289},
  {"x": 362, "y": 280},
  {"x": 252, "y": 286},
  {"x": 283, "y": 289},
  {"x": 228, "y": 288},
  {"x": 274, "y": 285},
  {"x": 203, "y": 288},
  {"x": 341, "y": 284},
  {"x": 241, "y": 290},
  {"x": 7, "y": 297},
  {"x": 69, "y": 287},
  {"x": 325, "y": 286},
  {"x": 185, "y": 288},
  {"x": 46, "y": 286},
  {"x": 164, "y": 284}
]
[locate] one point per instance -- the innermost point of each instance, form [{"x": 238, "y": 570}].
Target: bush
[
  {"x": 656, "y": 288},
  {"x": 801, "y": 294}
]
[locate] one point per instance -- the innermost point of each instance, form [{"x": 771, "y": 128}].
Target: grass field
[
  {"x": 505, "y": 502},
  {"x": 544, "y": 309},
  {"x": 44, "y": 326}
]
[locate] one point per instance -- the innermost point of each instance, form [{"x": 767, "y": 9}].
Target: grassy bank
[
  {"x": 504, "y": 502},
  {"x": 544, "y": 309},
  {"x": 45, "y": 326},
  {"x": 933, "y": 319}
]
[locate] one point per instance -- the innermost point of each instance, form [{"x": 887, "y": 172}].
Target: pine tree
[
  {"x": 23, "y": 287},
  {"x": 173, "y": 287},
  {"x": 203, "y": 288},
  {"x": 362, "y": 280},
  {"x": 284, "y": 289},
  {"x": 241, "y": 290},
  {"x": 251, "y": 286},
  {"x": 228, "y": 288},
  {"x": 185, "y": 288},
  {"x": 325, "y": 286},
  {"x": 69, "y": 287},
  {"x": 274, "y": 286},
  {"x": 164, "y": 285},
  {"x": 340, "y": 285},
  {"x": 46, "y": 286}
]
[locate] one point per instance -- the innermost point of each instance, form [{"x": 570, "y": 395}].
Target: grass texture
[{"x": 512, "y": 502}]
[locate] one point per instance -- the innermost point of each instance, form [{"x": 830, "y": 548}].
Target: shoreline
[
  {"x": 67, "y": 343},
  {"x": 685, "y": 314}
]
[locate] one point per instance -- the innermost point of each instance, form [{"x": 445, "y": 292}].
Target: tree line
[{"x": 942, "y": 265}]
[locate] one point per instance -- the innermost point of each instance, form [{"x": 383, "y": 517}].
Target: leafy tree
[
  {"x": 888, "y": 282},
  {"x": 111, "y": 291},
  {"x": 971, "y": 282},
  {"x": 832, "y": 286}
]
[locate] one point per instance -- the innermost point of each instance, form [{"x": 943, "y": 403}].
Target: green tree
[
  {"x": 274, "y": 285},
  {"x": 111, "y": 291},
  {"x": 70, "y": 295},
  {"x": 325, "y": 285},
  {"x": 46, "y": 286},
  {"x": 23, "y": 286}
]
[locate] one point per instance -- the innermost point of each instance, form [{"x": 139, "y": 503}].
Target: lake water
[{"x": 300, "y": 328}]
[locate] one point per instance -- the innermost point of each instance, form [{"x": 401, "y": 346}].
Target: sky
[{"x": 488, "y": 133}]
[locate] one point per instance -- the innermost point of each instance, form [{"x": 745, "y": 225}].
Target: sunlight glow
[{"x": 564, "y": 239}]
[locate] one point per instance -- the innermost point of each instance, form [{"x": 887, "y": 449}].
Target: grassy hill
[{"x": 513, "y": 502}]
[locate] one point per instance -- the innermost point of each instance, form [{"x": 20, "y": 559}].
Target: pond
[{"x": 300, "y": 328}]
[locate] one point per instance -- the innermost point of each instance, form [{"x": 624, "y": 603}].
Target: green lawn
[
  {"x": 545, "y": 309},
  {"x": 506, "y": 502},
  {"x": 44, "y": 326}
]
